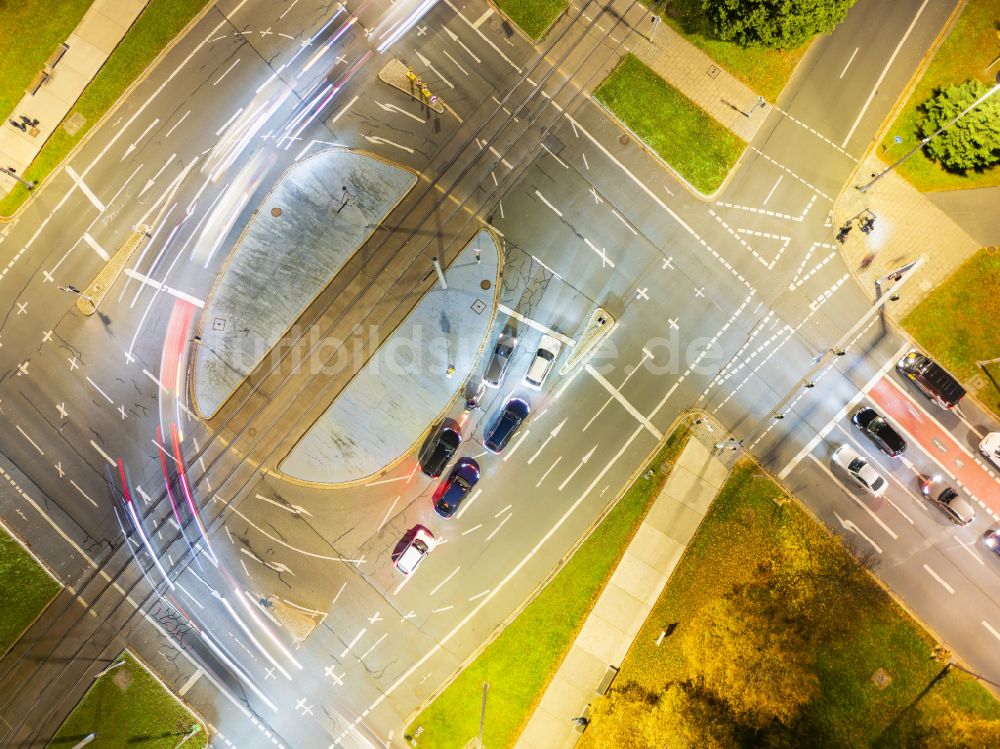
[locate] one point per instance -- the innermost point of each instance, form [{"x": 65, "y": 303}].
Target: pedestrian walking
[
  {"x": 28, "y": 121},
  {"x": 582, "y": 721},
  {"x": 19, "y": 125}
]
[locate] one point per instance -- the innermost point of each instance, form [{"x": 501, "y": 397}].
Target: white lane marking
[
  {"x": 386, "y": 481},
  {"x": 368, "y": 652},
  {"x": 581, "y": 464},
  {"x": 102, "y": 453},
  {"x": 98, "y": 389},
  {"x": 561, "y": 162},
  {"x": 548, "y": 472},
  {"x": 474, "y": 528},
  {"x": 188, "y": 594},
  {"x": 821, "y": 435},
  {"x": 544, "y": 200},
  {"x": 849, "y": 61},
  {"x": 965, "y": 546},
  {"x": 192, "y": 680},
  {"x": 353, "y": 642},
  {"x": 229, "y": 122},
  {"x": 454, "y": 37},
  {"x": 84, "y": 189},
  {"x": 882, "y": 75},
  {"x": 497, "y": 529},
  {"x": 344, "y": 109},
  {"x": 289, "y": 508},
  {"x": 430, "y": 66},
  {"x": 990, "y": 629},
  {"x": 853, "y": 528},
  {"x": 967, "y": 423},
  {"x": 33, "y": 443},
  {"x": 857, "y": 501},
  {"x": 76, "y": 486},
  {"x": 159, "y": 285},
  {"x": 457, "y": 65},
  {"x": 400, "y": 110},
  {"x": 534, "y": 324},
  {"x": 167, "y": 135},
  {"x": 646, "y": 423},
  {"x": 484, "y": 37},
  {"x": 780, "y": 177},
  {"x": 602, "y": 252},
  {"x": 937, "y": 577},
  {"x": 513, "y": 449},
  {"x": 376, "y": 139},
  {"x": 511, "y": 573},
  {"x": 438, "y": 586},
  {"x": 219, "y": 79},
  {"x": 486, "y": 14},
  {"x": 468, "y": 503},
  {"x": 387, "y": 514},
  {"x": 101, "y": 252},
  {"x": 480, "y": 595}
]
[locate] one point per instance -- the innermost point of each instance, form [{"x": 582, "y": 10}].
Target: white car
[
  {"x": 543, "y": 362},
  {"x": 418, "y": 547},
  {"x": 859, "y": 469},
  {"x": 990, "y": 448}
]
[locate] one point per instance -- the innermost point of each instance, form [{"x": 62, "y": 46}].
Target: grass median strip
[
  {"x": 128, "y": 706},
  {"x": 749, "y": 524},
  {"x": 682, "y": 133},
  {"x": 966, "y": 54},
  {"x": 159, "y": 23},
  {"x": 533, "y": 16},
  {"x": 956, "y": 323},
  {"x": 521, "y": 661},
  {"x": 27, "y": 590}
]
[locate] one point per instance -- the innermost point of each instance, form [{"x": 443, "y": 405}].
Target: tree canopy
[
  {"x": 784, "y": 24},
  {"x": 971, "y": 143}
]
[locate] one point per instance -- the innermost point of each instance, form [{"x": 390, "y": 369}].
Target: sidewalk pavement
[
  {"x": 696, "y": 75},
  {"x": 91, "y": 43},
  {"x": 629, "y": 597},
  {"x": 908, "y": 225}
]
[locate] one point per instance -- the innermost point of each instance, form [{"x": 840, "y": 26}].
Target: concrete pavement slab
[
  {"x": 102, "y": 30},
  {"x": 674, "y": 520},
  {"x": 282, "y": 262},
  {"x": 638, "y": 579},
  {"x": 603, "y": 639},
  {"x": 583, "y": 668},
  {"x": 655, "y": 548},
  {"x": 687, "y": 487},
  {"x": 621, "y": 608},
  {"x": 406, "y": 385}
]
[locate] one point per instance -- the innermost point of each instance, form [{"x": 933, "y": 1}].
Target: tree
[
  {"x": 971, "y": 143},
  {"x": 784, "y": 24},
  {"x": 687, "y": 717},
  {"x": 623, "y": 718},
  {"x": 747, "y": 650},
  {"x": 952, "y": 729}
]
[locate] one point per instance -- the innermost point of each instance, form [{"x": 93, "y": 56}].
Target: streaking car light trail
[
  {"x": 138, "y": 525},
  {"x": 399, "y": 28},
  {"x": 333, "y": 40},
  {"x": 319, "y": 102},
  {"x": 182, "y": 475}
]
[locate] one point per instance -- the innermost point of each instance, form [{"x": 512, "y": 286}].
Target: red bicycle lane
[{"x": 976, "y": 480}]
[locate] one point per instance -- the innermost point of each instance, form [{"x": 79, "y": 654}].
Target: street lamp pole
[
  {"x": 932, "y": 136},
  {"x": 10, "y": 172},
  {"x": 482, "y": 714},
  {"x": 899, "y": 277}
]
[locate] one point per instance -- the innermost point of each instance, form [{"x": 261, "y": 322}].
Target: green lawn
[
  {"x": 955, "y": 323},
  {"x": 681, "y": 132},
  {"x": 31, "y": 30},
  {"x": 533, "y": 16},
  {"x": 743, "y": 527},
  {"x": 764, "y": 70},
  {"x": 27, "y": 590},
  {"x": 129, "y": 707},
  {"x": 521, "y": 661},
  {"x": 160, "y": 22},
  {"x": 964, "y": 54}
]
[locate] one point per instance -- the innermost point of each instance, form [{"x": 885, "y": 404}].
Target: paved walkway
[
  {"x": 908, "y": 225},
  {"x": 634, "y": 588},
  {"x": 405, "y": 386},
  {"x": 685, "y": 67},
  {"x": 322, "y": 210},
  {"x": 94, "y": 39}
]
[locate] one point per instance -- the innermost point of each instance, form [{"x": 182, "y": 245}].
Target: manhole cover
[
  {"x": 485, "y": 284},
  {"x": 219, "y": 323},
  {"x": 478, "y": 306},
  {"x": 74, "y": 122},
  {"x": 623, "y": 140},
  {"x": 713, "y": 71},
  {"x": 251, "y": 432},
  {"x": 276, "y": 212},
  {"x": 881, "y": 678},
  {"x": 977, "y": 383}
]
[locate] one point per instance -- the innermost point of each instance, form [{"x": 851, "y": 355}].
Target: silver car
[
  {"x": 502, "y": 353},
  {"x": 954, "y": 506},
  {"x": 859, "y": 469}
]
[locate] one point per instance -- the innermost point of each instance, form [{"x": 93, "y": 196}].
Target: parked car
[
  {"x": 956, "y": 508},
  {"x": 514, "y": 412},
  {"x": 462, "y": 478},
  {"x": 440, "y": 451},
  {"x": 877, "y": 428},
  {"x": 496, "y": 370},
  {"x": 543, "y": 362},
  {"x": 992, "y": 540},
  {"x": 990, "y": 448},
  {"x": 931, "y": 378},
  {"x": 859, "y": 469},
  {"x": 419, "y": 546}
]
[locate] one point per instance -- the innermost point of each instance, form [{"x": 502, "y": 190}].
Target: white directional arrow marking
[
  {"x": 429, "y": 66},
  {"x": 376, "y": 139},
  {"x": 849, "y": 525},
  {"x": 394, "y": 108},
  {"x": 583, "y": 462},
  {"x": 548, "y": 439},
  {"x": 454, "y": 37}
]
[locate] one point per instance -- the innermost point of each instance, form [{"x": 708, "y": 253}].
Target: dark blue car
[
  {"x": 456, "y": 487},
  {"x": 515, "y": 411}
]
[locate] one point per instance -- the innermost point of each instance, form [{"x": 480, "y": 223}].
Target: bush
[
  {"x": 971, "y": 143},
  {"x": 781, "y": 24}
]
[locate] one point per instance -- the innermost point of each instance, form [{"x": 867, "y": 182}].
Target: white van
[
  {"x": 990, "y": 448},
  {"x": 543, "y": 362}
]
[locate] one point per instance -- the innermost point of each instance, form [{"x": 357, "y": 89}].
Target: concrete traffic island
[
  {"x": 412, "y": 379},
  {"x": 321, "y": 212}
]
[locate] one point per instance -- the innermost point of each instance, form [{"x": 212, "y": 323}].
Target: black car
[
  {"x": 440, "y": 451},
  {"x": 877, "y": 428},
  {"x": 515, "y": 411},
  {"x": 456, "y": 488}
]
